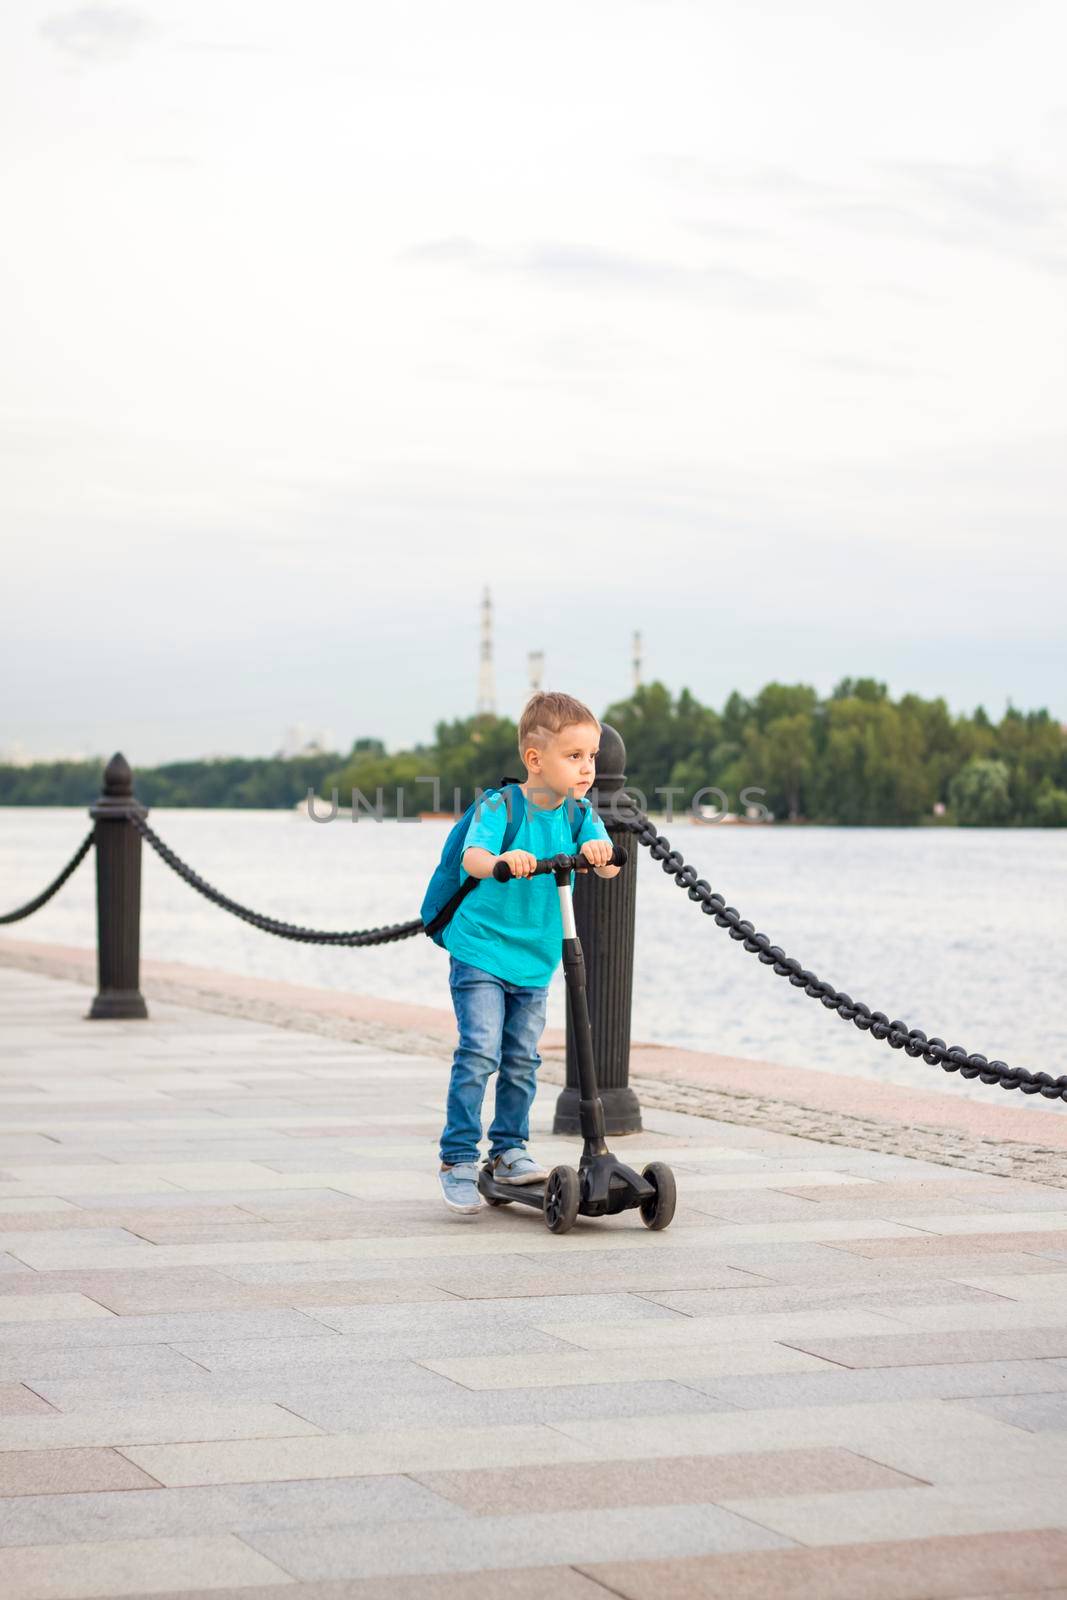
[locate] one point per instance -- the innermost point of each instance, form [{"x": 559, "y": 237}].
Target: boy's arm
[
  {"x": 478, "y": 862},
  {"x": 595, "y": 845},
  {"x": 598, "y": 854}
]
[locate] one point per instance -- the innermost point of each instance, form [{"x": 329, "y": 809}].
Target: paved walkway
[{"x": 243, "y": 1349}]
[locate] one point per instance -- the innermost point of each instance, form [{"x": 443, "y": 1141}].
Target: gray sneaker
[
  {"x": 459, "y": 1186},
  {"x": 516, "y": 1166}
]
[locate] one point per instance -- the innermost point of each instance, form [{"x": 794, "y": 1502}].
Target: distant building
[{"x": 301, "y": 741}]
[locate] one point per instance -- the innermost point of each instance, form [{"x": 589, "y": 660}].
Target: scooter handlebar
[{"x": 503, "y": 873}]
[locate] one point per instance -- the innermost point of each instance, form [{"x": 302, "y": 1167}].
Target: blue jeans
[{"x": 500, "y": 1026}]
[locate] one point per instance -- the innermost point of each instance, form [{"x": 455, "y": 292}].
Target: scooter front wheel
[
  {"x": 562, "y": 1193},
  {"x": 659, "y": 1211}
]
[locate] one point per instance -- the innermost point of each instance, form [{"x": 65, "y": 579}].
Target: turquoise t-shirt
[{"x": 513, "y": 930}]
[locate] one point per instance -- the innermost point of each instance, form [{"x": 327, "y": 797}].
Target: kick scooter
[{"x": 603, "y": 1185}]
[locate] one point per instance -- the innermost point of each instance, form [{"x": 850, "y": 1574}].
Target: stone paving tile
[
  {"x": 111, "y": 1330},
  {"x": 620, "y": 1366},
  {"x": 276, "y": 1385},
  {"x": 471, "y": 1545},
  {"x": 127, "y": 1216},
  {"x": 18, "y": 1401},
  {"x": 28, "y": 1362},
  {"x": 157, "y": 1513},
  {"x": 683, "y": 1480},
  {"x": 913, "y": 1436},
  {"x": 152, "y": 1424},
  {"x": 928, "y": 1349},
  {"x": 512, "y": 1276},
  {"x": 842, "y": 1386},
  {"x": 953, "y": 1568},
  {"x": 9, "y": 1266},
  {"x": 63, "y": 1472},
  {"x": 356, "y": 1454},
  {"x": 833, "y": 1264},
  {"x": 1024, "y": 1223},
  {"x": 1036, "y": 1412},
  {"x": 691, "y": 1332},
  {"x": 514, "y": 1583},
  {"x": 1032, "y": 1200},
  {"x": 950, "y": 1184},
  {"x": 476, "y": 1318},
  {"x": 232, "y": 1355},
  {"x": 1050, "y": 1286},
  {"x": 49, "y": 1308},
  {"x": 863, "y": 1296},
  {"x": 1044, "y": 1312},
  {"x": 761, "y": 1206},
  {"x": 83, "y": 1572},
  {"x": 26, "y": 1242},
  {"x": 943, "y": 1243},
  {"x": 407, "y": 1405},
  {"x": 706, "y": 1180},
  {"x": 159, "y": 1299},
  {"x": 921, "y": 1513}
]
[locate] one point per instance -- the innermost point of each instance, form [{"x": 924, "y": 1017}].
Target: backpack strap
[{"x": 516, "y": 811}]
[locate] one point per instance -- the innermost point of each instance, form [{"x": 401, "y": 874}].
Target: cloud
[
  {"x": 97, "y": 33},
  {"x": 454, "y": 248},
  {"x": 864, "y": 367},
  {"x": 565, "y": 266},
  {"x": 989, "y": 191}
]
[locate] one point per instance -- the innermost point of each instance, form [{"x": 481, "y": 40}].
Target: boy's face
[{"x": 567, "y": 763}]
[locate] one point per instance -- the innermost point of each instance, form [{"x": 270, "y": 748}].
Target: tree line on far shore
[{"x": 854, "y": 758}]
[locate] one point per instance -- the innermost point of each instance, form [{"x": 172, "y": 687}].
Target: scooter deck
[
  {"x": 608, "y": 1187},
  {"x": 527, "y": 1194}
]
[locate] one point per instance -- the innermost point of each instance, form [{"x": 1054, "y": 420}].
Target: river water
[{"x": 958, "y": 931}]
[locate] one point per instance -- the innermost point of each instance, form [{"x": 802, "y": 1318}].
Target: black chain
[
  {"x": 951, "y": 1058},
  {"x": 284, "y": 930},
  {"x": 57, "y": 883}
]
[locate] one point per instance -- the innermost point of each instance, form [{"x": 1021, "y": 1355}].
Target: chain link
[
  {"x": 283, "y": 930},
  {"x": 913, "y": 1041},
  {"x": 57, "y": 883}
]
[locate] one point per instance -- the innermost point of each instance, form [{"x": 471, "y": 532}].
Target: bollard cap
[
  {"x": 117, "y": 798},
  {"x": 610, "y": 765},
  {"x": 118, "y": 777}
]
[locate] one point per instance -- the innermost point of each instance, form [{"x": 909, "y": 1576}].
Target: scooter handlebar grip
[{"x": 503, "y": 873}]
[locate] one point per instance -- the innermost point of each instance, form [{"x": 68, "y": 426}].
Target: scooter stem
[{"x": 590, "y": 1106}]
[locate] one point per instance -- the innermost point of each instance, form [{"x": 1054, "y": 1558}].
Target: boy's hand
[
  {"x": 521, "y": 862},
  {"x": 597, "y": 852}
]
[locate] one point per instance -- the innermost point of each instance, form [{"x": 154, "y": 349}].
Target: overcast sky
[{"x": 740, "y": 323}]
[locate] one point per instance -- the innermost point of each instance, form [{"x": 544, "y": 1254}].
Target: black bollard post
[
  {"x": 118, "y": 896},
  {"x": 604, "y": 918}
]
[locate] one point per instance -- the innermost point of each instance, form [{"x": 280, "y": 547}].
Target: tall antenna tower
[
  {"x": 637, "y": 661},
  {"x": 536, "y": 660},
  {"x": 486, "y": 690}
]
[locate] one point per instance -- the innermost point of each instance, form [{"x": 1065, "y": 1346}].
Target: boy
[{"x": 505, "y": 942}]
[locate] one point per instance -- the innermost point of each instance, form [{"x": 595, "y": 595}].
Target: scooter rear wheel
[
  {"x": 659, "y": 1211},
  {"x": 562, "y": 1193}
]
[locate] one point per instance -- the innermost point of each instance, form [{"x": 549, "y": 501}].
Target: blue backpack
[{"x": 444, "y": 892}]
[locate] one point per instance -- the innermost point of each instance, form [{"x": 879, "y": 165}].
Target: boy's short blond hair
[{"x": 546, "y": 714}]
